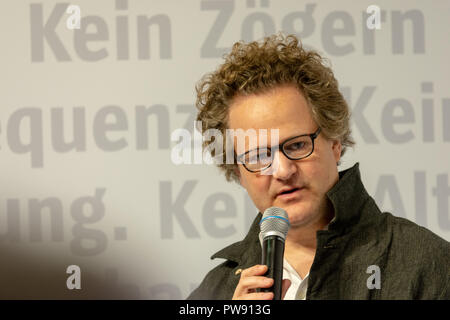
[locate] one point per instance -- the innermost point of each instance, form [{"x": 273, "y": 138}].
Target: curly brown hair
[{"x": 256, "y": 67}]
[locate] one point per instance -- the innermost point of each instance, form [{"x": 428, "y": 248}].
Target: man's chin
[
  {"x": 299, "y": 216},
  {"x": 296, "y": 207},
  {"x": 299, "y": 221},
  {"x": 298, "y": 213}
]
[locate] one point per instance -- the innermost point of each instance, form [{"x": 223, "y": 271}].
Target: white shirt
[{"x": 297, "y": 290}]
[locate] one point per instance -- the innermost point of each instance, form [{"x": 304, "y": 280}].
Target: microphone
[{"x": 274, "y": 228}]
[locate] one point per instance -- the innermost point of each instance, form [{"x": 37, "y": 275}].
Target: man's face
[{"x": 285, "y": 108}]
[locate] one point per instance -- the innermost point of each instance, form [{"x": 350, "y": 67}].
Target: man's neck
[
  {"x": 301, "y": 242},
  {"x": 304, "y": 236}
]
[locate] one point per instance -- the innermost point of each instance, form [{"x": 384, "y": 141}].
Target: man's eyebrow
[
  {"x": 265, "y": 147},
  {"x": 257, "y": 148},
  {"x": 269, "y": 146}
]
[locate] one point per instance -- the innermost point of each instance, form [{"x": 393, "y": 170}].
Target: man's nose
[{"x": 282, "y": 167}]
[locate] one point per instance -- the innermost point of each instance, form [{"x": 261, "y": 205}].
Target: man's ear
[
  {"x": 337, "y": 149},
  {"x": 238, "y": 174}
]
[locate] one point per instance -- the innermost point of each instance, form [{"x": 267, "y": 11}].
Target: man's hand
[{"x": 252, "y": 279}]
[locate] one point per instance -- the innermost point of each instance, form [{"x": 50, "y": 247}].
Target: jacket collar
[{"x": 348, "y": 196}]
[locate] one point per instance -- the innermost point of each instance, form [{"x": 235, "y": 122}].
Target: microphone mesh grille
[{"x": 274, "y": 219}]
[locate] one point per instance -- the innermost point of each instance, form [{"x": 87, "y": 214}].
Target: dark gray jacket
[{"x": 414, "y": 262}]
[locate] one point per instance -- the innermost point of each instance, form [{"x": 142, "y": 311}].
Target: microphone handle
[{"x": 272, "y": 257}]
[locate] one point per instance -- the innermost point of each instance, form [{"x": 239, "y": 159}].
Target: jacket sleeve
[
  {"x": 218, "y": 284},
  {"x": 445, "y": 295}
]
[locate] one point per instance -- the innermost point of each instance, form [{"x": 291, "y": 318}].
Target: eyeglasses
[{"x": 294, "y": 148}]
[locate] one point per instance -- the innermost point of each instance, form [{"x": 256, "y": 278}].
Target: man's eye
[
  {"x": 251, "y": 157},
  {"x": 261, "y": 156},
  {"x": 265, "y": 156},
  {"x": 297, "y": 145}
]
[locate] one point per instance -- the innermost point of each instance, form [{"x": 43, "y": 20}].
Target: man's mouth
[{"x": 289, "y": 193}]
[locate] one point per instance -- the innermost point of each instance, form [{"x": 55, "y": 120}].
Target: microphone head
[{"x": 274, "y": 221}]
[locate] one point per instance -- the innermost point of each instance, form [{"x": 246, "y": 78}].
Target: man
[{"x": 339, "y": 245}]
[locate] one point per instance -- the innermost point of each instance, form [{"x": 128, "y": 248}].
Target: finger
[
  {"x": 244, "y": 286},
  {"x": 284, "y": 287},
  {"x": 255, "y": 282},
  {"x": 256, "y": 270},
  {"x": 249, "y": 284}
]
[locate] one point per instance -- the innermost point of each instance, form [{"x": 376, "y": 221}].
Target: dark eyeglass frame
[{"x": 313, "y": 136}]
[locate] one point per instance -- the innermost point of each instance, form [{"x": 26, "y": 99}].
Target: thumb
[{"x": 284, "y": 287}]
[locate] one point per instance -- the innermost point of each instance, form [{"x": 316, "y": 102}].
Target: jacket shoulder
[
  {"x": 415, "y": 236},
  {"x": 421, "y": 252},
  {"x": 221, "y": 281}
]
